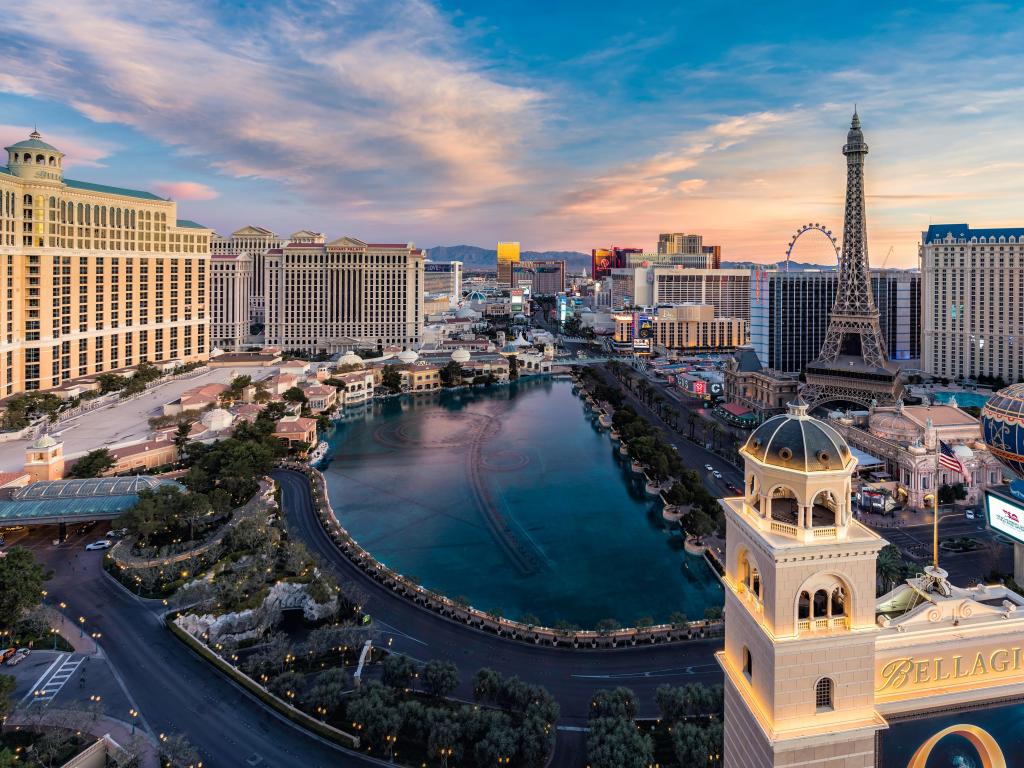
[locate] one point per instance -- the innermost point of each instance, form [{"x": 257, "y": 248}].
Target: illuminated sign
[
  {"x": 699, "y": 387},
  {"x": 516, "y": 295},
  {"x": 914, "y": 672},
  {"x": 440, "y": 267},
  {"x": 643, "y": 326},
  {"x": 1005, "y": 515}
]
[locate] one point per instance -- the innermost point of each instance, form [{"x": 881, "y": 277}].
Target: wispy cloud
[
  {"x": 185, "y": 190},
  {"x": 313, "y": 97}
]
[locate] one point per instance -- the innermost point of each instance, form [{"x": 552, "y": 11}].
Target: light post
[
  {"x": 81, "y": 627},
  {"x": 133, "y": 713}
]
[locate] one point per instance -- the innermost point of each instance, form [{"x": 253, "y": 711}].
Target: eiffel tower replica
[{"x": 853, "y": 365}]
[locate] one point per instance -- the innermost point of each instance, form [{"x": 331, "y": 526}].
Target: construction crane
[{"x": 886, "y": 259}]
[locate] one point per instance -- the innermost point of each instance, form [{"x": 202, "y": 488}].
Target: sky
[{"x": 564, "y": 125}]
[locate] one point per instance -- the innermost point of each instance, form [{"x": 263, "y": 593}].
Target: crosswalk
[{"x": 54, "y": 678}]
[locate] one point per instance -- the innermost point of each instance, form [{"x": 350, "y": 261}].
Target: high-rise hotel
[
  {"x": 343, "y": 295},
  {"x": 96, "y": 277},
  {"x": 972, "y": 316}
]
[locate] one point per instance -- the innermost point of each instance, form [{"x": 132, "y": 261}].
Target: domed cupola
[
  {"x": 798, "y": 476},
  {"x": 794, "y": 440},
  {"x": 34, "y": 159}
]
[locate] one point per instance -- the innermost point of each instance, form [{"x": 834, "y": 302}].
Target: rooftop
[
  {"x": 936, "y": 233},
  {"x": 91, "y": 187},
  {"x": 63, "y": 500}
]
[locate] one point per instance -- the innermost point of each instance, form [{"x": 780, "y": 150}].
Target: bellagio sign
[{"x": 904, "y": 676}]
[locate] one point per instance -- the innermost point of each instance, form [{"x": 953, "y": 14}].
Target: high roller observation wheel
[{"x": 809, "y": 228}]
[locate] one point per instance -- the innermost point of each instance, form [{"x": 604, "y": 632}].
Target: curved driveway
[{"x": 570, "y": 675}]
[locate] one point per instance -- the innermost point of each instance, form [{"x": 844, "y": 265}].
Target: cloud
[
  {"x": 689, "y": 186},
  {"x": 339, "y": 101},
  {"x": 185, "y": 190},
  {"x": 77, "y": 151}
]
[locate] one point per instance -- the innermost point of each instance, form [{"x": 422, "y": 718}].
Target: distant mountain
[
  {"x": 475, "y": 258},
  {"x": 794, "y": 266}
]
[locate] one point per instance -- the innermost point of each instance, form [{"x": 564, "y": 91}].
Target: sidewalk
[{"x": 75, "y": 636}]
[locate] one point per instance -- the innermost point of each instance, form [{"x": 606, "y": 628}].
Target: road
[{"x": 146, "y": 668}]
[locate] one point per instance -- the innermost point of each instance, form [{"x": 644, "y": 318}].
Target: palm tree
[
  {"x": 691, "y": 422},
  {"x": 889, "y": 567}
]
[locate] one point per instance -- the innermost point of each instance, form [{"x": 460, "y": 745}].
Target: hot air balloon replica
[{"x": 1002, "y": 422}]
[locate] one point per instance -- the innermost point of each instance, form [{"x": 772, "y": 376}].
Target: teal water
[
  {"x": 571, "y": 537},
  {"x": 975, "y": 399}
]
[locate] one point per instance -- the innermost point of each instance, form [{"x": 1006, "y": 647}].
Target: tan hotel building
[
  {"x": 344, "y": 295},
  {"x": 96, "y": 277}
]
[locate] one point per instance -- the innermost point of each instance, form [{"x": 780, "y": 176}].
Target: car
[
  {"x": 8, "y": 653},
  {"x": 709, "y": 468},
  {"x": 717, "y": 474},
  {"x": 969, "y": 514},
  {"x": 117, "y": 533},
  {"x": 101, "y": 544},
  {"x": 18, "y": 657}
]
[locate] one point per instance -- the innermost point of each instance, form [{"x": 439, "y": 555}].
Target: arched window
[
  {"x": 838, "y": 602},
  {"x": 53, "y": 160},
  {"x": 823, "y": 691},
  {"x": 103, "y": 215},
  {"x": 81, "y": 218},
  {"x": 804, "y": 606},
  {"x": 748, "y": 663},
  {"x": 27, "y": 200},
  {"x": 15, "y": 157},
  {"x": 40, "y": 160},
  {"x": 820, "y": 604},
  {"x": 88, "y": 214}
]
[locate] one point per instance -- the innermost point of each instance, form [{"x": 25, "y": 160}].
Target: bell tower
[{"x": 799, "y": 604}]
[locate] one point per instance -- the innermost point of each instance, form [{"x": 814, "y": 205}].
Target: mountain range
[{"x": 474, "y": 258}]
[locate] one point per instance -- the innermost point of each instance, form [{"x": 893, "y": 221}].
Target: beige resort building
[
  {"x": 96, "y": 278},
  {"x": 819, "y": 673}
]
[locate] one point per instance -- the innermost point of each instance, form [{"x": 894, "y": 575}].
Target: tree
[
  {"x": 391, "y": 379},
  {"x": 182, "y": 439},
  {"x": 398, "y": 671},
  {"x": 607, "y": 626},
  {"x": 93, "y": 464},
  {"x": 617, "y": 743},
  {"x": 487, "y": 685},
  {"x": 22, "y": 578},
  {"x": 513, "y": 367},
  {"x": 177, "y": 752},
  {"x": 328, "y": 691},
  {"x": 288, "y": 685},
  {"x": 294, "y": 395},
  {"x": 619, "y": 703},
  {"x": 7, "y": 686},
  {"x": 890, "y": 568},
  {"x": 451, "y": 374},
  {"x": 375, "y": 713},
  {"x": 698, "y": 744},
  {"x": 444, "y": 736},
  {"x": 440, "y": 678}
]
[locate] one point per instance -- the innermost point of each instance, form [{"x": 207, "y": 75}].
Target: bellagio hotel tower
[{"x": 96, "y": 278}]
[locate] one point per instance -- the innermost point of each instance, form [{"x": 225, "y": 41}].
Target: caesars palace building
[
  {"x": 821, "y": 673},
  {"x": 96, "y": 278}
]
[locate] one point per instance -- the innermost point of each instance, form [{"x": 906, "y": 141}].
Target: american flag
[{"x": 949, "y": 460}]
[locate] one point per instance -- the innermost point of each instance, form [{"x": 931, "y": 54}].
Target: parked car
[
  {"x": 18, "y": 657},
  {"x": 118, "y": 533},
  {"x": 101, "y": 544},
  {"x": 8, "y": 653}
]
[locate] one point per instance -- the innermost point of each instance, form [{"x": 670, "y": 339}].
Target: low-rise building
[
  {"x": 159, "y": 451},
  {"x": 764, "y": 392},
  {"x": 358, "y": 385},
  {"x": 320, "y": 398},
  {"x": 906, "y": 437},
  {"x": 196, "y": 399},
  {"x": 296, "y": 429}
]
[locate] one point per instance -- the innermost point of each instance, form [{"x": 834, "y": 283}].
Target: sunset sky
[{"x": 564, "y": 125}]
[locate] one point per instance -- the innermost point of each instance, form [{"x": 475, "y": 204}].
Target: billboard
[
  {"x": 563, "y": 307},
  {"x": 438, "y": 267},
  {"x": 516, "y": 294},
  {"x": 984, "y": 736},
  {"x": 643, "y": 326},
  {"x": 1005, "y": 515}
]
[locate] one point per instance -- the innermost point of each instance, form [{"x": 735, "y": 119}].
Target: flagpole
[{"x": 935, "y": 505}]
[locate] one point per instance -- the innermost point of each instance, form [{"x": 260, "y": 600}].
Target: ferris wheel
[{"x": 815, "y": 227}]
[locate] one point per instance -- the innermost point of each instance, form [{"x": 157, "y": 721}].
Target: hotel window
[
  {"x": 823, "y": 694},
  {"x": 748, "y": 663}
]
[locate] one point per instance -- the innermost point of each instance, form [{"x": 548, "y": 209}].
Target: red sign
[{"x": 699, "y": 387}]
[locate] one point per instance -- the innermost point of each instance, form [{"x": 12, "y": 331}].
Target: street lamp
[{"x": 133, "y": 713}]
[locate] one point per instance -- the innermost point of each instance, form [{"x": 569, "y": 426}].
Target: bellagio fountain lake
[{"x": 510, "y": 498}]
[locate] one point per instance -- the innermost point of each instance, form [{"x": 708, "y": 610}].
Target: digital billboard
[
  {"x": 985, "y": 736},
  {"x": 643, "y": 326},
  {"x": 516, "y": 295},
  {"x": 438, "y": 267},
  {"x": 1004, "y": 515}
]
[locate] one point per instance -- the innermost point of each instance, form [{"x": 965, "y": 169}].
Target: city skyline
[{"x": 470, "y": 125}]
